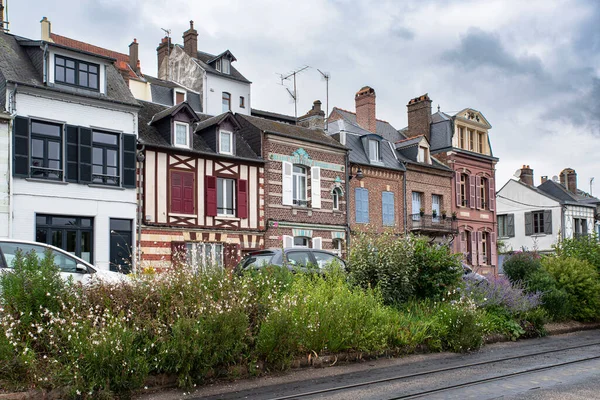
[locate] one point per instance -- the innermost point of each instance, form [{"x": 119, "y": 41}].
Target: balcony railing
[{"x": 429, "y": 224}]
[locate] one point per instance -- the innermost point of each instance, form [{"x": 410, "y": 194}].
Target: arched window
[
  {"x": 299, "y": 185},
  {"x": 226, "y": 102},
  {"x": 336, "y": 195},
  {"x": 338, "y": 247}
]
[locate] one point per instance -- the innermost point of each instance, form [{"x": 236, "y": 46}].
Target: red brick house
[
  {"x": 462, "y": 142},
  {"x": 203, "y": 196},
  {"x": 392, "y": 177},
  {"x": 304, "y": 186}
]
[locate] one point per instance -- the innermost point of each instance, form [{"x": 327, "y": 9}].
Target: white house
[
  {"x": 536, "y": 218},
  {"x": 4, "y": 173},
  {"x": 74, "y": 138}
]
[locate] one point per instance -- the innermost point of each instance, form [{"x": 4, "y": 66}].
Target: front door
[{"x": 121, "y": 249}]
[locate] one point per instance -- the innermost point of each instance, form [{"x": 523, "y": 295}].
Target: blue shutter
[
  {"x": 361, "y": 197},
  {"x": 387, "y": 208},
  {"x": 358, "y": 204},
  {"x": 365, "y": 196}
]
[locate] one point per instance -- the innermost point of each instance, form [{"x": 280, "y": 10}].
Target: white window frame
[
  {"x": 374, "y": 155},
  {"x": 416, "y": 212},
  {"x": 295, "y": 180},
  {"x": 335, "y": 196},
  {"x": 306, "y": 241},
  {"x": 226, "y": 66},
  {"x": 187, "y": 136},
  {"x": 223, "y": 182},
  {"x": 338, "y": 247},
  {"x": 175, "y": 91},
  {"x": 221, "y": 134}
]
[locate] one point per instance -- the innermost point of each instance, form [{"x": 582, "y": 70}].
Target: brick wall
[{"x": 429, "y": 182}]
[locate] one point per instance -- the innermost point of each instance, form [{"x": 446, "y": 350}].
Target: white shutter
[
  {"x": 288, "y": 241},
  {"x": 315, "y": 185},
  {"x": 287, "y": 184},
  {"x": 317, "y": 243}
]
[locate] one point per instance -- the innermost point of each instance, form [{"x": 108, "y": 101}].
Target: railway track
[{"x": 423, "y": 393}]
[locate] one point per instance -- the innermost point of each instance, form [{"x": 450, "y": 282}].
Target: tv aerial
[
  {"x": 326, "y": 76},
  {"x": 293, "y": 94}
]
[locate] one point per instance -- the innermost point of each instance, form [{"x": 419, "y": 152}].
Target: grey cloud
[
  {"x": 484, "y": 49},
  {"x": 402, "y": 32}
]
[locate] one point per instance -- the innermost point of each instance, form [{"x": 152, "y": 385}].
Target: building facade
[
  {"x": 305, "y": 194},
  {"x": 461, "y": 142},
  {"x": 73, "y": 158},
  {"x": 5, "y": 203},
  {"x": 203, "y": 189}
]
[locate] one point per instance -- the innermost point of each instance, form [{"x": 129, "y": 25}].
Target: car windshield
[{"x": 258, "y": 260}]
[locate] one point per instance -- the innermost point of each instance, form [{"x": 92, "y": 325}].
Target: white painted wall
[
  {"x": 140, "y": 90},
  {"x": 31, "y": 197},
  {"x": 213, "y": 95},
  {"x": 516, "y": 198},
  {"x": 572, "y": 212},
  {"x": 78, "y": 56},
  {"x": 4, "y": 178}
]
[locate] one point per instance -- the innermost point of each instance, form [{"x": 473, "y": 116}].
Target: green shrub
[
  {"x": 555, "y": 301},
  {"x": 459, "y": 327},
  {"x": 579, "y": 279},
  {"x": 518, "y": 266},
  {"x": 438, "y": 270},
  {"x": 584, "y": 248},
  {"x": 533, "y": 323},
  {"x": 384, "y": 261}
]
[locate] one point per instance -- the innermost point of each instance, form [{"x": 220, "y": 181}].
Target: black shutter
[
  {"x": 510, "y": 225},
  {"x": 85, "y": 155},
  {"x": 129, "y": 145},
  {"x": 528, "y": 223},
  {"x": 72, "y": 154},
  {"x": 21, "y": 145},
  {"x": 547, "y": 221}
]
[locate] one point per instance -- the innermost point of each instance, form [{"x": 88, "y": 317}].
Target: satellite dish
[
  {"x": 555, "y": 178},
  {"x": 517, "y": 173}
]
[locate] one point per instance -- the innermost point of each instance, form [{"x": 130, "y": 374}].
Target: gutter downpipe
[
  {"x": 405, "y": 203},
  {"x": 347, "y": 184},
  {"x": 45, "y": 63},
  {"x": 13, "y": 110}
]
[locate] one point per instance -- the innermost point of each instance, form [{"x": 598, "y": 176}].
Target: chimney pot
[
  {"x": 134, "y": 55},
  {"x": 366, "y": 108},
  {"x": 526, "y": 176},
  {"x": 315, "y": 118},
  {"x": 568, "y": 178},
  {"x": 419, "y": 116},
  {"x": 190, "y": 41},
  {"x": 544, "y": 178},
  {"x": 162, "y": 51},
  {"x": 46, "y": 30}
]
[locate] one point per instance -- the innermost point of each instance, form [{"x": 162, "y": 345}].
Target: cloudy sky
[{"x": 531, "y": 67}]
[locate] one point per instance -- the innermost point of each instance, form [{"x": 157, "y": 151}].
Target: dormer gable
[
  {"x": 175, "y": 125},
  {"x": 471, "y": 116},
  {"x": 416, "y": 149},
  {"x": 220, "y": 133},
  {"x": 222, "y": 62},
  {"x": 372, "y": 145}
]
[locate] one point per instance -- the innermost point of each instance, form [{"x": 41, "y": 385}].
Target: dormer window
[
  {"x": 423, "y": 155},
  {"x": 77, "y": 73},
  {"x": 179, "y": 96},
  {"x": 374, "y": 150},
  {"x": 182, "y": 135},
  {"x": 225, "y": 64},
  {"x": 225, "y": 142}
]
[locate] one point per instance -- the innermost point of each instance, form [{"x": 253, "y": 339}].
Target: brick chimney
[
  {"x": 46, "y": 30},
  {"x": 568, "y": 178},
  {"x": 315, "y": 118},
  {"x": 419, "y": 116},
  {"x": 365, "y": 109},
  {"x": 190, "y": 41},
  {"x": 544, "y": 178},
  {"x": 162, "y": 52},
  {"x": 526, "y": 176},
  {"x": 134, "y": 59}
]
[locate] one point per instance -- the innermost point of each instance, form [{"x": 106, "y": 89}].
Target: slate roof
[
  {"x": 168, "y": 111},
  {"x": 204, "y": 59},
  {"x": 292, "y": 131},
  {"x": 149, "y": 135},
  {"x": 217, "y": 119},
  {"x": 162, "y": 93},
  {"x": 274, "y": 116},
  {"x": 558, "y": 191},
  {"x": 384, "y": 128},
  {"x": 17, "y": 66}
]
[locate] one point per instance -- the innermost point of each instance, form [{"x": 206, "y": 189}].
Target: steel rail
[{"x": 435, "y": 371}]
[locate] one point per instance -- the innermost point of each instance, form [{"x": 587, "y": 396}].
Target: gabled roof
[
  {"x": 216, "y": 120},
  {"x": 171, "y": 111},
  {"x": 162, "y": 93},
  {"x": 149, "y": 135},
  {"x": 409, "y": 141},
  {"x": 17, "y": 65},
  {"x": 316, "y": 136},
  {"x": 384, "y": 128},
  {"x": 223, "y": 54},
  {"x": 532, "y": 188},
  {"x": 204, "y": 60},
  {"x": 559, "y": 192},
  {"x": 473, "y": 116},
  {"x": 274, "y": 116}
]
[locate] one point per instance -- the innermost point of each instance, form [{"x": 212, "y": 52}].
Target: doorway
[{"x": 121, "y": 249}]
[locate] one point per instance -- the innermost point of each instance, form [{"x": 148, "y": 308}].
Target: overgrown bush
[
  {"x": 385, "y": 261},
  {"x": 579, "y": 279},
  {"x": 438, "y": 270},
  {"x": 518, "y": 266},
  {"x": 583, "y": 248},
  {"x": 500, "y": 293},
  {"x": 459, "y": 326},
  {"x": 555, "y": 301}
]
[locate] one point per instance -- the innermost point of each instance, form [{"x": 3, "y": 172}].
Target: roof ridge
[
  {"x": 353, "y": 112},
  {"x": 123, "y": 55},
  {"x": 410, "y": 138}
]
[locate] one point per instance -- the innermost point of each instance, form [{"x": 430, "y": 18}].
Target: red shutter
[
  {"x": 492, "y": 198},
  {"x": 211, "y": 196},
  {"x": 494, "y": 256},
  {"x": 477, "y": 192},
  {"x": 176, "y": 192},
  {"x": 472, "y": 191},
  {"x": 457, "y": 184},
  {"x": 479, "y": 248},
  {"x": 188, "y": 193},
  {"x": 242, "y": 198}
]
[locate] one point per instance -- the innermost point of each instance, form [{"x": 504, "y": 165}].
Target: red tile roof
[{"x": 122, "y": 62}]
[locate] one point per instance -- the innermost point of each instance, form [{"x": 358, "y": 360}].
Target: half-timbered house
[{"x": 202, "y": 188}]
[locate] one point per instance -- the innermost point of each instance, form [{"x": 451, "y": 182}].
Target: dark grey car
[{"x": 295, "y": 259}]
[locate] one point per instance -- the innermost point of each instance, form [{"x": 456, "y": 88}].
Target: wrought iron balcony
[{"x": 429, "y": 224}]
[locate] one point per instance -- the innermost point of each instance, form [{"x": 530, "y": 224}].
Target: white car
[{"x": 70, "y": 265}]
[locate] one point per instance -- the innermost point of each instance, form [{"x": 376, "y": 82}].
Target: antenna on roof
[
  {"x": 555, "y": 178},
  {"x": 168, "y": 33},
  {"x": 293, "y": 94},
  {"x": 591, "y": 185},
  {"x": 327, "y": 77},
  {"x": 438, "y": 107}
]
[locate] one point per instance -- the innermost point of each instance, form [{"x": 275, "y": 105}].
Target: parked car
[
  {"x": 470, "y": 274},
  {"x": 70, "y": 265},
  {"x": 295, "y": 259}
]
